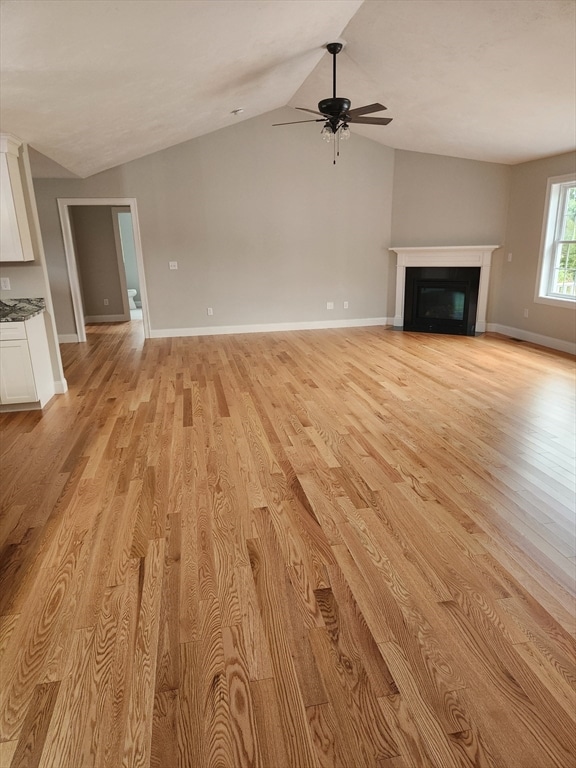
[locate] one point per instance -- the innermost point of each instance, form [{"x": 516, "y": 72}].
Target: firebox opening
[{"x": 441, "y": 299}]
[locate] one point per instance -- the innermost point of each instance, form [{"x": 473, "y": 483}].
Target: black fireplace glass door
[
  {"x": 441, "y": 299},
  {"x": 440, "y": 302}
]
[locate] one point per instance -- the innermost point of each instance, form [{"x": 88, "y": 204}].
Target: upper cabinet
[{"x": 15, "y": 238}]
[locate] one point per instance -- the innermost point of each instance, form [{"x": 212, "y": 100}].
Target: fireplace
[
  {"x": 441, "y": 299},
  {"x": 448, "y": 293}
]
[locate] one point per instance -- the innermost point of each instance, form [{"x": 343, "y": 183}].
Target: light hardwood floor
[{"x": 321, "y": 549}]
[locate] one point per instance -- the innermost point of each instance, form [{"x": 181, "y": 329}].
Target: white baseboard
[
  {"x": 533, "y": 338},
  {"x": 12, "y": 407},
  {"x": 60, "y": 386},
  {"x": 106, "y": 319},
  {"x": 67, "y": 338},
  {"x": 218, "y": 330}
]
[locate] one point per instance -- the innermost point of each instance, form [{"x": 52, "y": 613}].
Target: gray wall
[
  {"x": 97, "y": 259},
  {"x": 57, "y": 268},
  {"x": 448, "y": 201},
  {"x": 518, "y": 278},
  {"x": 264, "y": 228}
]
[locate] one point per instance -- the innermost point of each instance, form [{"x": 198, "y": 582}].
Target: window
[{"x": 557, "y": 283}]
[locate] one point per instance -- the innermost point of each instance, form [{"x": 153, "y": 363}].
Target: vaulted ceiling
[{"x": 97, "y": 83}]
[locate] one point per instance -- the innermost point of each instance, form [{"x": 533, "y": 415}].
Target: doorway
[
  {"x": 132, "y": 234},
  {"x": 126, "y": 255}
]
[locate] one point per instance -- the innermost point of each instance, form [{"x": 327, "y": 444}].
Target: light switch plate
[{"x": 5, "y": 284}]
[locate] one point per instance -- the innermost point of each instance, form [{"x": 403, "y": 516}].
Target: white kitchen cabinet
[
  {"x": 25, "y": 367},
  {"x": 15, "y": 237},
  {"x": 16, "y": 374}
]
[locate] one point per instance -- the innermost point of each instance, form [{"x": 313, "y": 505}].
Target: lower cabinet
[
  {"x": 25, "y": 367},
  {"x": 16, "y": 374}
]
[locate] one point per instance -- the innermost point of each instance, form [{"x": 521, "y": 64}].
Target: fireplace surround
[{"x": 447, "y": 257}]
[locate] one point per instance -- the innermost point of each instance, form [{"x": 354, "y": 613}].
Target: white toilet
[{"x": 131, "y": 293}]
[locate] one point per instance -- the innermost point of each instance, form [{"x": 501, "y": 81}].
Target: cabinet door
[
  {"x": 10, "y": 246},
  {"x": 15, "y": 238},
  {"x": 16, "y": 375}
]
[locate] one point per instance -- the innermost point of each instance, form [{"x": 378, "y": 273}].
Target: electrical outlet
[
  {"x": 345, "y": 305},
  {"x": 106, "y": 302},
  {"x": 209, "y": 311},
  {"x": 5, "y": 283},
  {"x": 173, "y": 264},
  {"x": 329, "y": 305}
]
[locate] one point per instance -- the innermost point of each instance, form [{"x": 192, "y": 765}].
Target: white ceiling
[{"x": 97, "y": 83}]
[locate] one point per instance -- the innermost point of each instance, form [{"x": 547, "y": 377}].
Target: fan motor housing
[{"x": 334, "y": 107}]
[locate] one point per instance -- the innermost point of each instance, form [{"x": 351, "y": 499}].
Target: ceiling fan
[{"x": 336, "y": 114}]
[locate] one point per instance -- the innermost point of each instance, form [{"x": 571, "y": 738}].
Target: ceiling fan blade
[
  {"x": 366, "y": 110},
  {"x": 296, "y": 122},
  {"x": 313, "y": 111},
  {"x": 370, "y": 120}
]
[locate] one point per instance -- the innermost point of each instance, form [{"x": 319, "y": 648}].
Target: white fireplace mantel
[{"x": 445, "y": 256}]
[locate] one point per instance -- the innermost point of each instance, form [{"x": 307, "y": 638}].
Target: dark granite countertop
[{"x": 17, "y": 310}]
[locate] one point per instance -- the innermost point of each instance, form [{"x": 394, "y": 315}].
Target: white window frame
[{"x": 555, "y": 194}]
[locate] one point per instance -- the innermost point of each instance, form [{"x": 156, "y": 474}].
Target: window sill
[{"x": 552, "y": 301}]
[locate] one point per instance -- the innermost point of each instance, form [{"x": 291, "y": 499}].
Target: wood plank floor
[{"x": 322, "y": 549}]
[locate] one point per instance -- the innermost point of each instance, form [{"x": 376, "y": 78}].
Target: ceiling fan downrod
[{"x": 334, "y": 48}]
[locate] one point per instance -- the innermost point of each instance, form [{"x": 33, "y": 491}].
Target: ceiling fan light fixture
[
  {"x": 344, "y": 132},
  {"x": 326, "y": 133}
]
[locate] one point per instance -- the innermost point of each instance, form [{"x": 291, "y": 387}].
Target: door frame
[
  {"x": 115, "y": 210},
  {"x": 64, "y": 205}
]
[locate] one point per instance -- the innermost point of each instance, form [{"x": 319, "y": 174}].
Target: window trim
[{"x": 549, "y": 227}]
